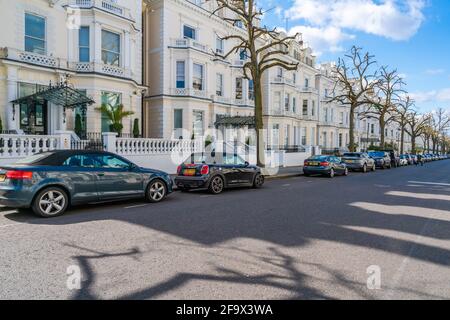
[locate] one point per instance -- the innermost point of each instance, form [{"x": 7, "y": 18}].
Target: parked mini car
[
  {"x": 216, "y": 172},
  {"x": 358, "y": 161},
  {"x": 382, "y": 159},
  {"x": 324, "y": 165},
  {"x": 50, "y": 182}
]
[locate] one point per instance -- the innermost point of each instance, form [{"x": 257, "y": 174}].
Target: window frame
[
  {"x": 119, "y": 63},
  {"x": 34, "y": 38},
  {"x": 88, "y": 47}
]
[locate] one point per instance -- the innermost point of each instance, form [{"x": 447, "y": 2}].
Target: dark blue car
[{"x": 50, "y": 182}]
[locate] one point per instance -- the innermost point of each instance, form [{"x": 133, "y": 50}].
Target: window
[
  {"x": 287, "y": 135},
  {"x": 239, "y": 83},
  {"x": 197, "y": 83},
  {"x": 326, "y": 93},
  {"x": 251, "y": 90},
  {"x": 233, "y": 159},
  {"x": 83, "y": 44},
  {"x": 111, "y": 162},
  {"x": 35, "y": 34},
  {"x": 112, "y": 100},
  {"x": 189, "y": 32},
  {"x": 287, "y": 101},
  {"x": 340, "y": 140},
  {"x": 243, "y": 54},
  {"x": 305, "y": 107},
  {"x": 110, "y": 48},
  {"x": 313, "y": 109},
  {"x": 372, "y": 128},
  {"x": 306, "y": 83},
  {"x": 84, "y": 161},
  {"x": 219, "y": 45},
  {"x": 279, "y": 73},
  {"x": 197, "y": 123},
  {"x": 277, "y": 101},
  {"x": 294, "y": 78},
  {"x": 219, "y": 85},
  {"x": 341, "y": 118},
  {"x": 178, "y": 119},
  {"x": 181, "y": 75},
  {"x": 294, "y": 104},
  {"x": 303, "y": 136}
]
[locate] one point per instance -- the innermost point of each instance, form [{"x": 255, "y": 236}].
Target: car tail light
[
  {"x": 305, "y": 163},
  {"x": 179, "y": 170},
  {"x": 324, "y": 164},
  {"x": 204, "y": 170},
  {"x": 19, "y": 175}
]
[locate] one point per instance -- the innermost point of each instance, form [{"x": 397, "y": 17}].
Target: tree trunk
[
  {"x": 413, "y": 144},
  {"x": 402, "y": 139},
  {"x": 259, "y": 124},
  {"x": 351, "y": 145},
  {"x": 382, "y": 133}
]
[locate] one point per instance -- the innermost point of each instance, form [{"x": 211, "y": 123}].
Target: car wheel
[
  {"x": 156, "y": 191},
  {"x": 259, "y": 181},
  {"x": 217, "y": 185},
  {"x": 364, "y": 169},
  {"x": 346, "y": 172},
  {"x": 50, "y": 202},
  {"x": 331, "y": 174}
]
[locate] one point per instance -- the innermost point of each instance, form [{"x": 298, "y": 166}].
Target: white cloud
[
  {"x": 393, "y": 19},
  {"x": 434, "y": 72},
  {"x": 442, "y": 95}
]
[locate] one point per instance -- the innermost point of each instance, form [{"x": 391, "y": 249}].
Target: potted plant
[
  {"x": 136, "y": 133},
  {"x": 115, "y": 115}
]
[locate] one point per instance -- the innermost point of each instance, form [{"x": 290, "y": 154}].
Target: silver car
[{"x": 359, "y": 161}]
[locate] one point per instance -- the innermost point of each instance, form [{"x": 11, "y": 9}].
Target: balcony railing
[
  {"x": 187, "y": 92},
  {"x": 283, "y": 80},
  {"x": 33, "y": 58},
  {"x": 190, "y": 43},
  {"x": 106, "y": 5}
]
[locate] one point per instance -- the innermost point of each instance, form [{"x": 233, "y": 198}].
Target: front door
[{"x": 33, "y": 118}]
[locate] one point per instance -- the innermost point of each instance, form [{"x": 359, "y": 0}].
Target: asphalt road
[{"x": 298, "y": 238}]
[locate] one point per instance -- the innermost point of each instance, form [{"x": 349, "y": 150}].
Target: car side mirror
[{"x": 247, "y": 163}]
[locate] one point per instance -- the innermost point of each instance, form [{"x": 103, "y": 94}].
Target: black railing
[{"x": 95, "y": 145}]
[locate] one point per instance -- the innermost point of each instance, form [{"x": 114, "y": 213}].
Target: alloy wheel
[
  {"x": 217, "y": 185},
  {"x": 52, "y": 202},
  {"x": 157, "y": 191},
  {"x": 332, "y": 173},
  {"x": 259, "y": 181}
]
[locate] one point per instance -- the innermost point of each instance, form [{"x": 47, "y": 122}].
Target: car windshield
[
  {"x": 378, "y": 154},
  {"x": 352, "y": 155},
  {"x": 34, "y": 158}
]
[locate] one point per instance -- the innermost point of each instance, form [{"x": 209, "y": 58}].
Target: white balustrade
[
  {"x": 16, "y": 146},
  {"x": 132, "y": 146},
  {"x": 106, "y": 5}
]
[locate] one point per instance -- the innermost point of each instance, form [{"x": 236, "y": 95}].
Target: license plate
[
  {"x": 313, "y": 164},
  {"x": 2, "y": 177},
  {"x": 349, "y": 161},
  {"x": 189, "y": 172}
]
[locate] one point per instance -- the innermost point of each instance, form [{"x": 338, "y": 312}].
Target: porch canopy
[
  {"x": 236, "y": 121},
  {"x": 62, "y": 95}
]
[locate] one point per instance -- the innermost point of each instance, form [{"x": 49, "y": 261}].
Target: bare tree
[
  {"x": 405, "y": 107},
  {"x": 354, "y": 84},
  {"x": 386, "y": 99},
  {"x": 416, "y": 126},
  {"x": 265, "y": 48},
  {"x": 441, "y": 123}
]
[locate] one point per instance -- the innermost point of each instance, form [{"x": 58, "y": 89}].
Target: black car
[
  {"x": 324, "y": 165},
  {"x": 216, "y": 172},
  {"x": 382, "y": 159}
]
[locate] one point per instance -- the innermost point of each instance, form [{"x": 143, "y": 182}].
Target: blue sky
[{"x": 412, "y": 36}]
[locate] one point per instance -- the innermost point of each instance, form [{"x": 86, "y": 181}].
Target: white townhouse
[
  {"x": 192, "y": 91},
  {"x": 291, "y": 100},
  {"x": 60, "y": 60},
  {"x": 333, "y": 127}
]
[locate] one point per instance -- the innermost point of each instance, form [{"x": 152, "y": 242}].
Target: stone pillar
[
  {"x": 97, "y": 42},
  {"x": 65, "y": 139},
  {"x": 127, "y": 50},
  {"x": 109, "y": 140},
  {"x": 12, "y": 118}
]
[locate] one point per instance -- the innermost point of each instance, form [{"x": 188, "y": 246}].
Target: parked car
[
  {"x": 382, "y": 159},
  {"x": 415, "y": 158},
  {"x": 358, "y": 161},
  {"x": 404, "y": 160},
  {"x": 216, "y": 172},
  {"x": 50, "y": 182},
  {"x": 395, "y": 158},
  {"x": 324, "y": 165}
]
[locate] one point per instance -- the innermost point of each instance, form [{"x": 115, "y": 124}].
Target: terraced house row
[{"x": 162, "y": 60}]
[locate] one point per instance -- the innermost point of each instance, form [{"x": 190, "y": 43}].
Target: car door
[
  {"x": 238, "y": 172},
  {"x": 117, "y": 177},
  {"x": 339, "y": 164},
  {"x": 81, "y": 177}
]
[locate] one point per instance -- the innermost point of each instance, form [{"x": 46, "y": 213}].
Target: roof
[
  {"x": 57, "y": 157},
  {"x": 238, "y": 121},
  {"x": 61, "y": 95}
]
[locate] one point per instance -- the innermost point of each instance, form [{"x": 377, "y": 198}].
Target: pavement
[{"x": 380, "y": 235}]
